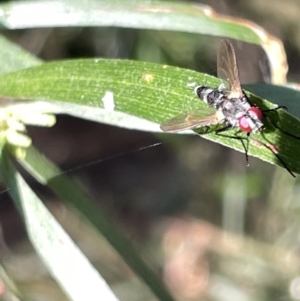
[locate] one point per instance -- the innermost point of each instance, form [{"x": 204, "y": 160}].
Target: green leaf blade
[
  {"x": 154, "y": 15},
  {"x": 146, "y": 91},
  {"x": 55, "y": 247},
  {"x": 14, "y": 58}
]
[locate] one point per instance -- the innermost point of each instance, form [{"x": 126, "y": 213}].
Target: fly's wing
[
  {"x": 227, "y": 69},
  {"x": 189, "y": 121}
]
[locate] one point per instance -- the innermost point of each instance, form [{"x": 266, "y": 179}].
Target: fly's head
[{"x": 251, "y": 121}]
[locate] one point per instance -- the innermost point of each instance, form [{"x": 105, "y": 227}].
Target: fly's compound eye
[
  {"x": 244, "y": 124},
  {"x": 256, "y": 113},
  {"x": 251, "y": 121}
]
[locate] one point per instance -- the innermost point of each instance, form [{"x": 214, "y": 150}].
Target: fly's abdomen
[{"x": 212, "y": 97}]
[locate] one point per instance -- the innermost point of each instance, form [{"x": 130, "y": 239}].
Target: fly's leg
[
  {"x": 219, "y": 132},
  {"x": 274, "y": 150},
  {"x": 202, "y": 130},
  {"x": 255, "y": 142},
  {"x": 276, "y": 109},
  {"x": 228, "y": 127},
  {"x": 275, "y": 125},
  {"x": 272, "y": 122},
  {"x": 207, "y": 128},
  {"x": 268, "y": 118}
]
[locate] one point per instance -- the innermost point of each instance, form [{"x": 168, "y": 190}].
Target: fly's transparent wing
[
  {"x": 227, "y": 69},
  {"x": 189, "y": 121}
]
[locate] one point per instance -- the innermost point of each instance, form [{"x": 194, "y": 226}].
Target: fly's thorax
[
  {"x": 232, "y": 111},
  {"x": 242, "y": 102},
  {"x": 229, "y": 106},
  {"x": 210, "y": 96},
  {"x": 238, "y": 104}
]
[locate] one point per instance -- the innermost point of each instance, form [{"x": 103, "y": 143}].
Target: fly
[
  {"x": 232, "y": 108},
  {"x": 236, "y": 107}
]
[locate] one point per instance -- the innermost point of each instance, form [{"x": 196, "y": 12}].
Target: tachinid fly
[
  {"x": 236, "y": 107},
  {"x": 237, "y": 112},
  {"x": 233, "y": 107}
]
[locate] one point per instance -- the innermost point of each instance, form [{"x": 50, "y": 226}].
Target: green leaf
[
  {"x": 123, "y": 13},
  {"x": 13, "y": 57},
  {"x": 80, "y": 281},
  {"x": 49, "y": 174},
  {"x": 155, "y": 15},
  {"x": 140, "y": 91}
]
